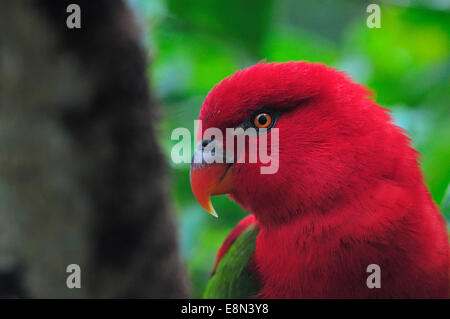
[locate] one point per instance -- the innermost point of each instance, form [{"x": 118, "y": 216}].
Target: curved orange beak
[{"x": 210, "y": 179}]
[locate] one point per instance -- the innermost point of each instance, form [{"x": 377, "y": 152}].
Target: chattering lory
[{"x": 348, "y": 192}]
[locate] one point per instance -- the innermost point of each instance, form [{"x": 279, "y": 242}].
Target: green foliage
[{"x": 195, "y": 44}]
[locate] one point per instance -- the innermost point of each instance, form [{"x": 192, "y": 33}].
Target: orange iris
[{"x": 262, "y": 120}]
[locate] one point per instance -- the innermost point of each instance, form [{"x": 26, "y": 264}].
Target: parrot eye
[{"x": 262, "y": 120}]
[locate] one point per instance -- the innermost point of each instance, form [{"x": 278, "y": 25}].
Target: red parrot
[{"x": 348, "y": 192}]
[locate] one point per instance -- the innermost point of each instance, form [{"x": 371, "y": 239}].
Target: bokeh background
[{"x": 194, "y": 44}]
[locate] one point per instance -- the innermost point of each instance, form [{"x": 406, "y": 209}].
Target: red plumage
[{"x": 349, "y": 191}]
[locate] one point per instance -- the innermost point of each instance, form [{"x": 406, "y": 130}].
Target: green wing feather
[
  {"x": 233, "y": 278},
  {"x": 445, "y": 206}
]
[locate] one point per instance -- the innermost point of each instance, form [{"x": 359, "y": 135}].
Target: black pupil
[{"x": 262, "y": 119}]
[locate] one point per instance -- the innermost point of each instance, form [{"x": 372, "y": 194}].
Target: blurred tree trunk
[{"x": 82, "y": 179}]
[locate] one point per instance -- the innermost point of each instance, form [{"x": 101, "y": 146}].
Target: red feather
[{"x": 348, "y": 193}]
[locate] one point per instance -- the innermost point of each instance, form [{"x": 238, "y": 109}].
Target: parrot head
[{"x": 331, "y": 144}]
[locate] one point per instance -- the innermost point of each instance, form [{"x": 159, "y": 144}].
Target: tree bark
[{"x": 82, "y": 178}]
